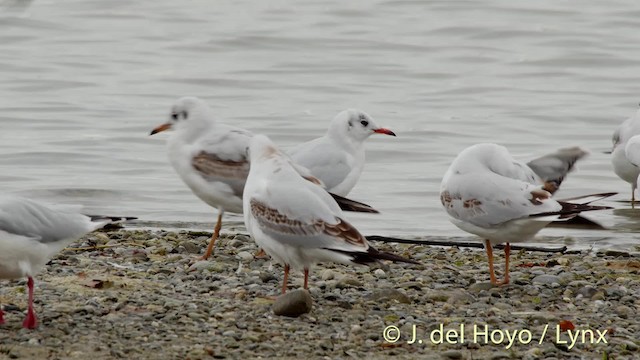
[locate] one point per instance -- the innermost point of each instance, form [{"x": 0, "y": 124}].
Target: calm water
[{"x": 83, "y": 83}]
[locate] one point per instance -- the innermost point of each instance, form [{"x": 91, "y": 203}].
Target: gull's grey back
[{"x": 28, "y": 218}]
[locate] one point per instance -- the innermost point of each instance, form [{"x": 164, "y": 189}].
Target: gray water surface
[{"x": 83, "y": 83}]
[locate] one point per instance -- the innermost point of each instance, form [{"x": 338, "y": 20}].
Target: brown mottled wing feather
[
  {"x": 346, "y": 232},
  {"x": 275, "y": 221},
  {"x": 213, "y": 168}
]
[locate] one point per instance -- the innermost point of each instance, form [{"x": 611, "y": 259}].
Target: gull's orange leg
[
  {"x": 285, "y": 279},
  {"x": 507, "y": 252},
  {"x": 492, "y": 275},
  {"x": 216, "y": 233},
  {"x": 306, "y": 279}
]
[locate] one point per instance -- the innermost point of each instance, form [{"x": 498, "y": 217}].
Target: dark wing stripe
[
  {"x": 272, "y": 219},
  {"x": 210, "y": 165}
]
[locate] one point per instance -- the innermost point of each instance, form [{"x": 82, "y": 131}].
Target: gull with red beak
[{"x": 337, "y": 158}]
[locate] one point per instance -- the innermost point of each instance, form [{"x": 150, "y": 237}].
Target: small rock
[
  {"x": 587, "y": 291},
  {"x": 624, "y": 311},
  {"x": 190, "y": 247},
  {"x": 266, "y": 277},
  {"x": 327, "y": 275},
  {"x": 203, "y": 265},
  {"x": 461, "y": 297},
  {"x": 546, "y": 279},
  {"x": 293, "y": 303},
  {"x": 500, "y": 356},
  {"x": 380, "y": 273},
  {"x": 451, "y": 354},
  {"x": 245, "y": 256},
  {"x": 616, "y": 253},
  {"x": 347, "y": 282},
  {"x": 389, "y": 294},
  {"x": 482, "y": 286}
]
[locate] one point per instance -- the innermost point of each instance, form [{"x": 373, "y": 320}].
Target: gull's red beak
[
  {"x": 161, "y": 128},
  {"x": 384, "y": 131}
]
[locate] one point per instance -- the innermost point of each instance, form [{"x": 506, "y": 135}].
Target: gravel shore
[{"x": 143, "y": 295}]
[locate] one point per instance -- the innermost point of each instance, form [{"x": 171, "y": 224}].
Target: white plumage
[
  {"x": 210, "y": 157},
  {"x": 295, "y": 221},
  {"x": 488, "y": 193},
  {"x": 622, "y": 164},
  {"x": 338, "y": 157},
  {"x": 31, "y": 233}
]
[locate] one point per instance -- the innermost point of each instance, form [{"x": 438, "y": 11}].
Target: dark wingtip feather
[
  {"x": 352, "y": 205},
  {"x": 373, "y": 255},
  {"x": 114, "y": 219}
]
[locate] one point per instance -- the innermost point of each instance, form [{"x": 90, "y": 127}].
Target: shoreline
[{"x": 140, "y": 294}]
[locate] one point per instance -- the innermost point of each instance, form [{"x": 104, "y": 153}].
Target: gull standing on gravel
[
  {"x": 31, "y": 234},
  {"x": 488, "y": 193},
  {"x": 337, "y": 158},
  {"x": 622, "y": 165},
  {"x": 296, "y": 221},
  {"x": 211, "y": 158}
]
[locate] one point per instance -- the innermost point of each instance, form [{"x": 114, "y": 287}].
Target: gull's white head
[
  {"x": 355, "y": 125},
  {"x": 187, "y": 113},
  {"x": 261, "y": 147}
]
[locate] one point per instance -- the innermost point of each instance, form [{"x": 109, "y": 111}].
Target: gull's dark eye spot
[
  {"x": 174, "y": 116},
  {"x": 364, "y": 123}
]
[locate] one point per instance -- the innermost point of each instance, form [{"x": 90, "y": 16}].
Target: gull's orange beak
[
  {"x": 161, "y": 128},
  {"x": 384, "y": 131}
]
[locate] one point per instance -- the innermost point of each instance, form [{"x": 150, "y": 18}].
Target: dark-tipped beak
[
  {"x": 384, "y": 131},
  {"x": 160, "y": 128},
  {"x": 607, "y": 152}
]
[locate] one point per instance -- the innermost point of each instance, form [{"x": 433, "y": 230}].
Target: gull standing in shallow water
[
  {"x": 488, "y": 193},
  {"x": 31, "y": 234},
  {"x": 337, "y": 158},
  {"x": 622, "y": 165},
  {"x": 296, "y": 221}
]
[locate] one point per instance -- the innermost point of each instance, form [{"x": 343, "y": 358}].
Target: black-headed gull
[
  {"x": 296, "y": 221},
  {"x": 211, "y": 158},
  {"x": 337, "y": 158},
  {"x": 622, "y": 165},
  {"x": 32, "y": 233},
  {"x": 490, "y": 194}
]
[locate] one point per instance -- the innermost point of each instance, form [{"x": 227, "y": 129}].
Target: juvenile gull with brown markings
[{"x": 296, "y": 221}]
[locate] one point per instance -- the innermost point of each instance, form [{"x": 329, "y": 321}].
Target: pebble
[
  {"x": 383, "y": 295},
  {"x": 293, "y": 303},
  {"x": 245, "y": 256},
  {"x": 546, "y": 279}
]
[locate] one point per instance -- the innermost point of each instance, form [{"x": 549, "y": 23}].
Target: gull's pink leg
[
  {"x": 1, "y": 317},
  {"x": 30, "y": 322},
  {"x": 306, "y": 279}
]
